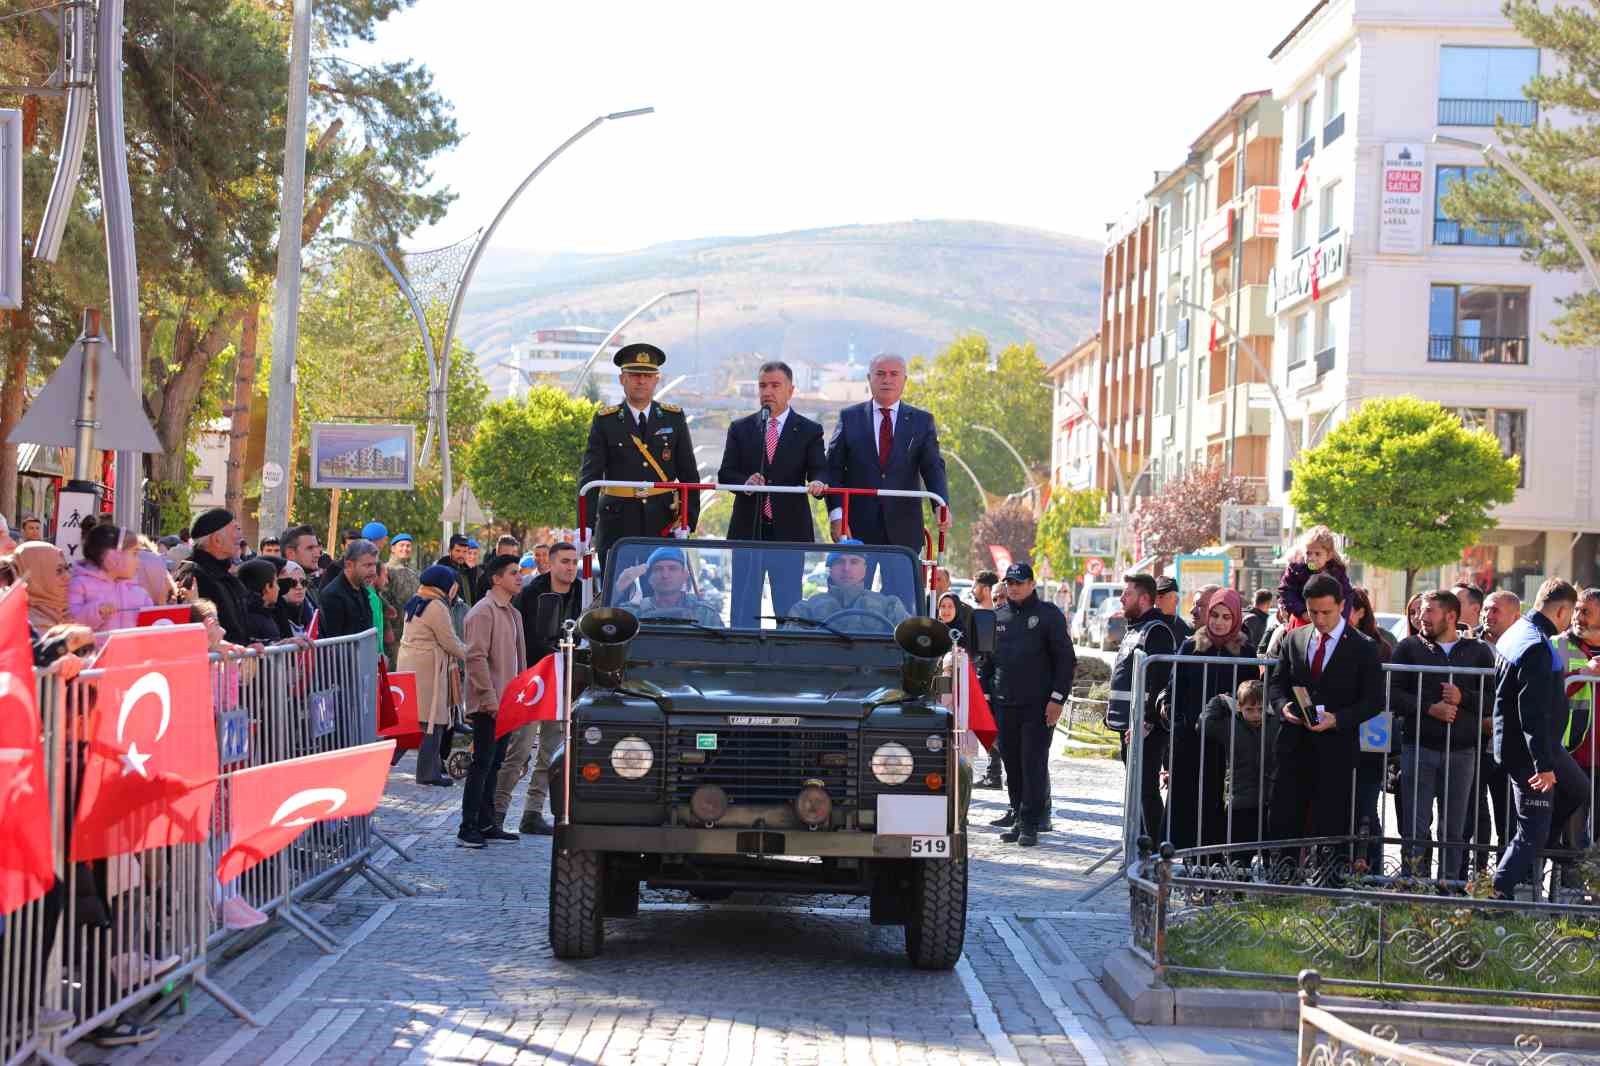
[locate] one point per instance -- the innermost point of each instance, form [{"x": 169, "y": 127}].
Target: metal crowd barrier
[
  {"x": 130, "y": 933},
  {"x": 1202, "y": 761}
]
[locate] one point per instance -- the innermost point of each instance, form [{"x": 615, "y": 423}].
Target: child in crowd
[
  {"x": 1317, "y": 556},
  {"x": 1246, "y": 738}
]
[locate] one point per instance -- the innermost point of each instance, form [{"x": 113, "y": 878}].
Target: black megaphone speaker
[
  {"x": 924, "y": 641},
  {"x": 608, "y": 631}
]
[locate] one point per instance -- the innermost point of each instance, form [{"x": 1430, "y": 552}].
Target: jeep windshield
[{"x": 829, "y": 590}]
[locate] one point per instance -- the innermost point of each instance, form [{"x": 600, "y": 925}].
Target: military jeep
[{"x": 722, "y": 744}]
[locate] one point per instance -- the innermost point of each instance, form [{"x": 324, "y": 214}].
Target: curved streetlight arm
[
  {"x": 460, "y": 298},
  {"x": 1027, "y": 475},
  {"x": 1255, "y": 360},
  {"x": 1496, "y": 156},
  {"x": 435, "y": 399},
  {"x": 983, "y": 496},
  {"x": 600, "y": 349}
]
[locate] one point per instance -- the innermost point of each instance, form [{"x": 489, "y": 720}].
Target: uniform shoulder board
[
  {"x": 606, "y": 412},
  {"x": 671, "y": 408}
]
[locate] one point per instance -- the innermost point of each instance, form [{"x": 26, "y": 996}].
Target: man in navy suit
[
  {"x": 886, "y": 444},
  {"x": 775, "y": 446},
  {"x": 1326, "y": 683}
]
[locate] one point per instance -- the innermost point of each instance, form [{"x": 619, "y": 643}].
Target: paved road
[{"x": 463, "y": 972}]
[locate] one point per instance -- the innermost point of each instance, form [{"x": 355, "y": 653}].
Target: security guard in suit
[{"x": 638, "y": 440}]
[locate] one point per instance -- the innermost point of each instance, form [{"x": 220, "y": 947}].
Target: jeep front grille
[{"x": 761, "y": 764}]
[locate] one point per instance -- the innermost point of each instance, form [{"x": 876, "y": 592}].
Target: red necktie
[
  {"x": 885, "y": 439},
  {"x": 772, "y": 450},
  {"x": 1316, "y": 662}
]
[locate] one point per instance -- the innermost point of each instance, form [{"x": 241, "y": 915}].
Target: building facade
[
  {"x": 1127, "y": 321},
  {"x": 1376, "y": 293},
  {"x": 1074, "y": 438}
]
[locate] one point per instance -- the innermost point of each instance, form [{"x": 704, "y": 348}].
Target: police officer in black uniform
[
  {"x": 1151, "y": 631},
  {"x": 638, "y": 440},
  {"x": 1032, "y": 670}
]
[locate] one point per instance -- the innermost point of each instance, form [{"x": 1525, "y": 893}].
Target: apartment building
[
  {"x": 1216, "y": 238},
  {"x": 1376, "y": 293},
  {"x": 1122, "y": 390},
  {"x": 1074, "y": 438}
]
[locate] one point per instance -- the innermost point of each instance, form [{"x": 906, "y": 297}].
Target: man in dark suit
[
  {"x": 886, "y": 444},
  {"x": 1327, "y": 682},
  {"x": 775, "y": 446},
  {"x": 638, "y": 440}
]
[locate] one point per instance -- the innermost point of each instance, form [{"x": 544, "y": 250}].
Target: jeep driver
[
  {"x": 848, "y": 604},
  {"x": 668, "y": 571}
]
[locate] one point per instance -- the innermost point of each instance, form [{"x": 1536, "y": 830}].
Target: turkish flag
[
  {"x": 397, "y": 708},
  {"x": 980, "y": 719},
  {"x": 1002, "y": 557},
  {"x": 26, "y": 867},
  {"x": 274, "y": 803},
  {"x": 1212, "y": 346},
  {"x": 151, "y": 768},
  {"x": 1316, "y": 268},
  {"x": 1300, "y": 186},
  {"x": 532, "y": 696}
]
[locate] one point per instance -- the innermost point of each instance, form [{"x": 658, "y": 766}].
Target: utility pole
[{"x": 275, "y": 473}]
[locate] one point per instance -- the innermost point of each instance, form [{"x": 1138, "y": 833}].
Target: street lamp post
[
  {"x": 1027, "y": 474},
  {"x": 435, "y": 394},
  {"x": 983, "y": 495},
  {"x": 588, "y": 366},
  {"x": 460, "y": 298}
]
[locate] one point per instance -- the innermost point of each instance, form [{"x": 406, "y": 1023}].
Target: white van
[{"x": 1092, "y": 595}]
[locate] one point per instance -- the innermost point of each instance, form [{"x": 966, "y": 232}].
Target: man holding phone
[{"x": 1326, "y": 683}]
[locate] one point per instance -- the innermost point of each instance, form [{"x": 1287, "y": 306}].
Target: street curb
[{"x": 1131, "y": 982}]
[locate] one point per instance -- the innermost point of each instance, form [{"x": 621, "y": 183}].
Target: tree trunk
[
  {"x": 1411, "y": 576},
  {"x": 244, "y": 383},
  {"x": 192, "y": 353},
  {"x": 19, "y": 335}
]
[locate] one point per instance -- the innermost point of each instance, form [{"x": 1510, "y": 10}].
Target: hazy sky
[{"x": 777, "y": 117}]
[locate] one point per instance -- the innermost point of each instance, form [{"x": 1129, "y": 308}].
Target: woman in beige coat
[{"x": 427, "y": 647}]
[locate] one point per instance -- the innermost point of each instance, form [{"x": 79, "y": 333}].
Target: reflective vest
[{"x": 1580, "y": 698}]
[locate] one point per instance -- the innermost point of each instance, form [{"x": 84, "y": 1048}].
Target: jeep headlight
[
  {"x": 892, "y": 764},
  {"x": 631, "y": 757}
]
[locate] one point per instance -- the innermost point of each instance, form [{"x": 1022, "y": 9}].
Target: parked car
[
  {"x": 1089, "y": 600},
  {"x": 1107, "y": 626}
]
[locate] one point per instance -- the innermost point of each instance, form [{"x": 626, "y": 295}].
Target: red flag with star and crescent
[
  {"x": 532, "y": 696},
  {"x": 274, "y": 803},
  {"x": 397, "y": 707},
  {"x": 980, "y": 719},
  {"x": 26, "y": 866},
  {"x": 151, "y": 769}
]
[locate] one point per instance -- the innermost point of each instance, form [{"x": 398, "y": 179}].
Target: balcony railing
[
  {"x": 1458, "y": 112},
  {"x": 1307, "y": 149},
  {"x": 1448, "y": 232},
  {"x": 1461, "y": 348},
  {"x": 1333, "y": 130}
]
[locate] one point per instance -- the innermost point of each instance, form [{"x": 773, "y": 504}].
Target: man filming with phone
[{"x": 1326, "y": 683}]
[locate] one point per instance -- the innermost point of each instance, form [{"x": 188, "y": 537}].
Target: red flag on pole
[
  {"x": 1212, "y": 346},
  {"x": 1300, "y": 186},
  {"x": 397, "y": 708},
  {"x": 980, "y": 719},
  {"x": 1316, "y": 268},
  {"x": 26, "y": 867},
  {"x": 1002, "y": 557},
  {"x": 274, "y": 803},
  {"x": 151, "y": 768},
  {"x": 532, "y": 696}
]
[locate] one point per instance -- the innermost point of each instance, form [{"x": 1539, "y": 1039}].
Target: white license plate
[{"x": 930, "y": 847}]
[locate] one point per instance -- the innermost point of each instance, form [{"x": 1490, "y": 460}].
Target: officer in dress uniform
[{"x": 638, "y": 440}]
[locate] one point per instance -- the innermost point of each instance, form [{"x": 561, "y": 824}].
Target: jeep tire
[
  {"x": 577, "y": 903},
  {"x": 936, "y": 927}
]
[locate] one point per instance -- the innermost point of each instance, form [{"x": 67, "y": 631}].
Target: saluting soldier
[{"x": 638, "y": 440}]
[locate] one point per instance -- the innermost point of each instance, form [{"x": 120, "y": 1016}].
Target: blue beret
[
  {"x": 399, "y": 537},
  {"x": 374, "y": 531},
  {"x": 675, "y": 554},
  {"x": 835, "y": 555},
  {"x": 471, "y": 543},
  {"x": 527, "y": 561}
]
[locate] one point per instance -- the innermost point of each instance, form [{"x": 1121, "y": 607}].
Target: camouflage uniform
[
  {"x": 691, "y": 608},
  {"x": 839, "y": 598}
]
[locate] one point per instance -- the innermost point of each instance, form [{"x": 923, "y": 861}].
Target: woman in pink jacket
[{"x": 103, "y": 594}]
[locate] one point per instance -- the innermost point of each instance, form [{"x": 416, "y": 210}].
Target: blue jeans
[{"x": 1434, "y": 779}]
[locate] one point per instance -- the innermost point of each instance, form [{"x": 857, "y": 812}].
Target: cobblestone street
[{"x": 463, "y": 972}]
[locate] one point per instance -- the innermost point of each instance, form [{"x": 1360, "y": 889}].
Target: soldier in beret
[{"x": 638, "y": 440}]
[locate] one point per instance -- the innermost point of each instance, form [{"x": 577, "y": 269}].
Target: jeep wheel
[
  {"x": 577, "y": 903},
  {"x": 937, "y": 925}
]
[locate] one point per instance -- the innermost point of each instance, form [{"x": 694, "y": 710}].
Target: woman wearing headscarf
[
  {"x": 1196, "y": 814},
  {"x": 293, "y": 609},
  {"x": 45, "y": 571},
  {"x": 427, "y": 646}
]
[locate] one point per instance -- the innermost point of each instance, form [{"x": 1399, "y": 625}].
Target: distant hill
[{"x": 809, "y": 295}]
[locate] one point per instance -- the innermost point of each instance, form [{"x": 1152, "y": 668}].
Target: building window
[
  {"x": 1328, "y": 219},
  {"x": 1188, "y": 209},
  {"x": 1302, "y": 227},
  {"x": 1478, "y": 86},
  {"x": 1163, "y": 224},
  {"x": 1202, "y": 377},
  {"x": 1510, "y": 427},
  {"x": 1158, "y": 389},
  {"x": 1183, "y": 384},
  {"x": 202, "y": 484},
  {"x": 1328, "y": 334},
  {"x": 1446, "y": 231},
  {"x": 1333, "y": 109},
  {"x": 1299, "y": 339},
  {"x": 1477, "y": 324},
  {"x": 1307, "y": 129}
]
